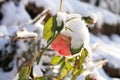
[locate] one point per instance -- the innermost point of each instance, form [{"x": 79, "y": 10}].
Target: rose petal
[{"x": 62, "y": 45}]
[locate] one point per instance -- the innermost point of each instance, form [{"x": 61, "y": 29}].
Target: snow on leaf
[{"x": 74, "y": 51}]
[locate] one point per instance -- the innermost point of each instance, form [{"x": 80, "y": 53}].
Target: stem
[
  {"x": 30, "y": 66},
  {"x": 60, "y": 5},
  {"x": 39, "y": 57}
]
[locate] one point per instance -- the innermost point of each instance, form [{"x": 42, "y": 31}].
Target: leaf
[
  {"x": 40, "y": 78},
  {"x": 68, "y": 66},
  {"x": 23, "y": 74},
  {"x": 63, "y": 73},
  {"x": 83, "y": 55},
  {"x": 77, "y": 71},
  {"x": 55, "y": 60},
  {"x": 50, "y": 28},
  {"x": 59, "y": 28},
  {"x": 62, "y": 66},
  {"x": 74, "y": 51}
]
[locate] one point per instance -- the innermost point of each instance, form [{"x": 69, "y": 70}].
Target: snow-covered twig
[
  {"x": 39, "y": 17},
  {"x": 97, "y": 65},
  {"x": 45, "y": 12}
]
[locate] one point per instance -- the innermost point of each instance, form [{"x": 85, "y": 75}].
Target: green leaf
[
  {"x": 62, "y": 66},
  {"x": 83, "y": 55},
  {"x": 23, "y": 74},
  {"x": 40, "y": 78},
  {"x": 59, "y": 28},
  {"x": 77, "y": 71},
  {"x": 50, "y": 28},
  {"x": 55, "y": 60},
  {"x": 68, "y": 66},
  {"x": 63, "y": 73},
  {"x": 74, "y": 51}
]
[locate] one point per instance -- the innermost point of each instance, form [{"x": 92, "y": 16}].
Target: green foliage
[
  {"x": 68, "y": 66},
  {"x": 50, "y": 28},
  {"x": 55, "y": 60},
  {"x": 83, "y": 55},
  {"x": 63, "y": 73},
  {"x": 73, "y": 65},
  {"x": 23, "y": 74},
  {"x": 74, "y": 51},
  {"x": 40, "y": 78}
]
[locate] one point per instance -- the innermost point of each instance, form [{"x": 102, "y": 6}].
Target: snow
[
  {"x": 60, "y": 18},
  {"x": 74, "y": 25},
  {"x": 12, "y": 30},
  {"x": 108, "y": 47},
  {"x": 22, "y": 47},
  {"x": 12, "y": 14},
  {"x": 26, "y": 34},
  {"x": 37, "y": 71},
  {"x": 94, "y": 18},
  {"x": 8, "y": 75},
  {"x": 3, "y": 41}
]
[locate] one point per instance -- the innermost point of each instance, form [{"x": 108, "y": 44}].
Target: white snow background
[{"x": 109, "y": 47}]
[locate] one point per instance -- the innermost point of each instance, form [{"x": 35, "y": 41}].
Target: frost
[
  {"x": 37, "y": 71},
  {"x": 3, "y": 30},
  {"x": 26, "y": 34},
  {"x": 12, "y": 30},
  {"x": 1, "y": 34},
  {"x": 12, "y": 14}
]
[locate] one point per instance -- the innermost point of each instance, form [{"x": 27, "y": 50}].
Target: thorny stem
[
  {"x": 39, "y": 57},
  {"x": 60, "y": 5}
]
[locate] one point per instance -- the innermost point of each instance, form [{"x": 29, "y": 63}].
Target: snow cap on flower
[
  {"x": 73, "y": 36},
  {"x": 60, "y": 18},
  {"x": 80, "y": 34}
]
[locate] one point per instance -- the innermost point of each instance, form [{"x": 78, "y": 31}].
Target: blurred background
[{"x": 17, "y": 52}]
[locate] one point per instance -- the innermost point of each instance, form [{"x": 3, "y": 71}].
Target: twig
[
  {"x": 46, "y": 11},
  {"x": 95, "y": 46},
  {"x": 100, "y": 63}
]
